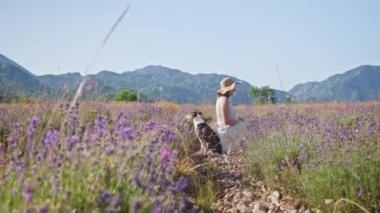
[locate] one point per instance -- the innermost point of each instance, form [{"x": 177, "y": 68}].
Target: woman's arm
[{"x": 225, "y": 115}]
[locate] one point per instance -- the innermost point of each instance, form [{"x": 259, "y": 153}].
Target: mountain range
[
  {"x": 358, "y": 84},
  {"x": 162, "y": 83}
]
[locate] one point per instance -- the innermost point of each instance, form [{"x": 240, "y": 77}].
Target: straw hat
[{"x": 226, "y": 85}]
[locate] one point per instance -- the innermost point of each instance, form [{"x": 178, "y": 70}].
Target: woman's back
[{"x": 218, "y": 107}]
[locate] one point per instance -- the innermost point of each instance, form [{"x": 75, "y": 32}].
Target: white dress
[{"x": 229, "y": 135}]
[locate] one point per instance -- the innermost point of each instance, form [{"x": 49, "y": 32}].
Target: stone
[
  {"x": 246, "y": 201},
  {"x": 329, "y": 201},
  {"x": 276, "y": 194},
  {"x": 247, "y": 194},
  {"x": 241, "y": 207},
  {"x": 259, "y": 208},
  {"x": 237, "y": 197},
  {"x": 273, "y": 200},
  {"x": 304, "y": 209}
]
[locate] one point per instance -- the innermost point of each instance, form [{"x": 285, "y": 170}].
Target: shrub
[
  {"x": 318, "y": 152},
  {"x": 126, "y": 95},
  {"x": 122, "y": 163}
]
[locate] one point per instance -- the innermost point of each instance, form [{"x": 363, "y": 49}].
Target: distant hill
[
  {"x": 162, "y": 83},
  {"x": 63, "y": 80},
  {"x": 16, "y": 80},
  {"x": 359, "y": 84},
  {"x": 152, "y": 82}
]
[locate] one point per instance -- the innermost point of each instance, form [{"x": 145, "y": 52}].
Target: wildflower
[
  {"x": 31, "y": 131},
  {"x": 54, "y": 181},
  {"x": 28, "y": 191},
  {"x": 113, "y": 204},
  {"x": 30, "y": 210},
  {"x": 158, "y": 206},
  {"x": 138, "y": 182},
  {"x": 104, "y": 196},
  {"x": 150, "y": 125},
  {"x": 109, "y": 151},
  {"x": 136, "y": 206},
  {"x": 181, "y": 184},
  {"x": 182, "y": 204},
  {"x": 360, "y": 191},
  {"x": 100, "y": 122},
  {"x": 169, "y": 136},
  {"x": 72, "y": 141},
  {"x": 34, "y": 169},
  {"x": 51, "y": 137},
  {"x": 44, "y": 209},
  {"x": 127, "y": 133},
  {"x": 33, "y": 121},
  {"x": 165, "y": 154}
]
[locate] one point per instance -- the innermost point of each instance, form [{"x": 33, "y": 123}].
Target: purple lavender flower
[
  {"x": 113, "y": 204},
  {"x": 151, "y": 125},
  {"x": 109, "y": 151},
  {"x": 100, "y": 122},
  {"x": 67, "y": 106},
  {"x": 54, "y": 181},
  {"x": 28, "y": 191},
  {"x": 127, "y": 133},
  {"x": 182, "y": 205},
  {"x": 33, "y": 122},
  {"x": 181, "y": 184},
  {"x": 158, "y": 206},
  {"x": 51, "y": 137},
  {"x": 73, "y": 140},
  {"x": 104, "y": 196},
  {"x": 31, "y": 132},
  {"x": 138, "y": 181},
  {"x": 136, "y": 206},
  {"x": 169, "y": 136},
  {"x": 164, "y": 154},
  {"x": 44, "y": 209},
  {"x": 30, "y": 210},
  {"x": 35, "y": 169}
]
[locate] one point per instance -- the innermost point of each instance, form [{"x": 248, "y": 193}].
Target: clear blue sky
[{"x": 308, "y": 40}]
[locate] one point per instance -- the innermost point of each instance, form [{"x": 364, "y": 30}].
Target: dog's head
[
  {"x": 195, "y": 114},
  {"x": 190, "y": 117}
]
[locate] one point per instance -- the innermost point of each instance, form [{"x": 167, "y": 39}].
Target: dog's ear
[{"x": 194, "y": 114}]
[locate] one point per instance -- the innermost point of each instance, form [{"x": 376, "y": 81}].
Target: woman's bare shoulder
[{"x": 223, "y": 99}]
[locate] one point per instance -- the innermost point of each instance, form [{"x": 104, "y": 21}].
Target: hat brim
[{"x": 227, "y": 89}]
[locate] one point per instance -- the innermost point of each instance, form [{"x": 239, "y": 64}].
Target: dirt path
[{"x": 239, "y": 193}]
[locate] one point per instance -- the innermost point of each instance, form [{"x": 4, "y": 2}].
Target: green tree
[
  {"x": 126, "y": 95},
  {"x": 263, "y": 95}
]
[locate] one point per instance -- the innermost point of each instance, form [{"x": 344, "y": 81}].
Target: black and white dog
[{"x": 207, "y": 137}]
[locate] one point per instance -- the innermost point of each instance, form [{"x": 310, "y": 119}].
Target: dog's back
[{"x": 208, "y": 135}]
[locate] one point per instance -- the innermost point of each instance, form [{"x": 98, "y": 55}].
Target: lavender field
[{"x": 134, "y": 157}]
